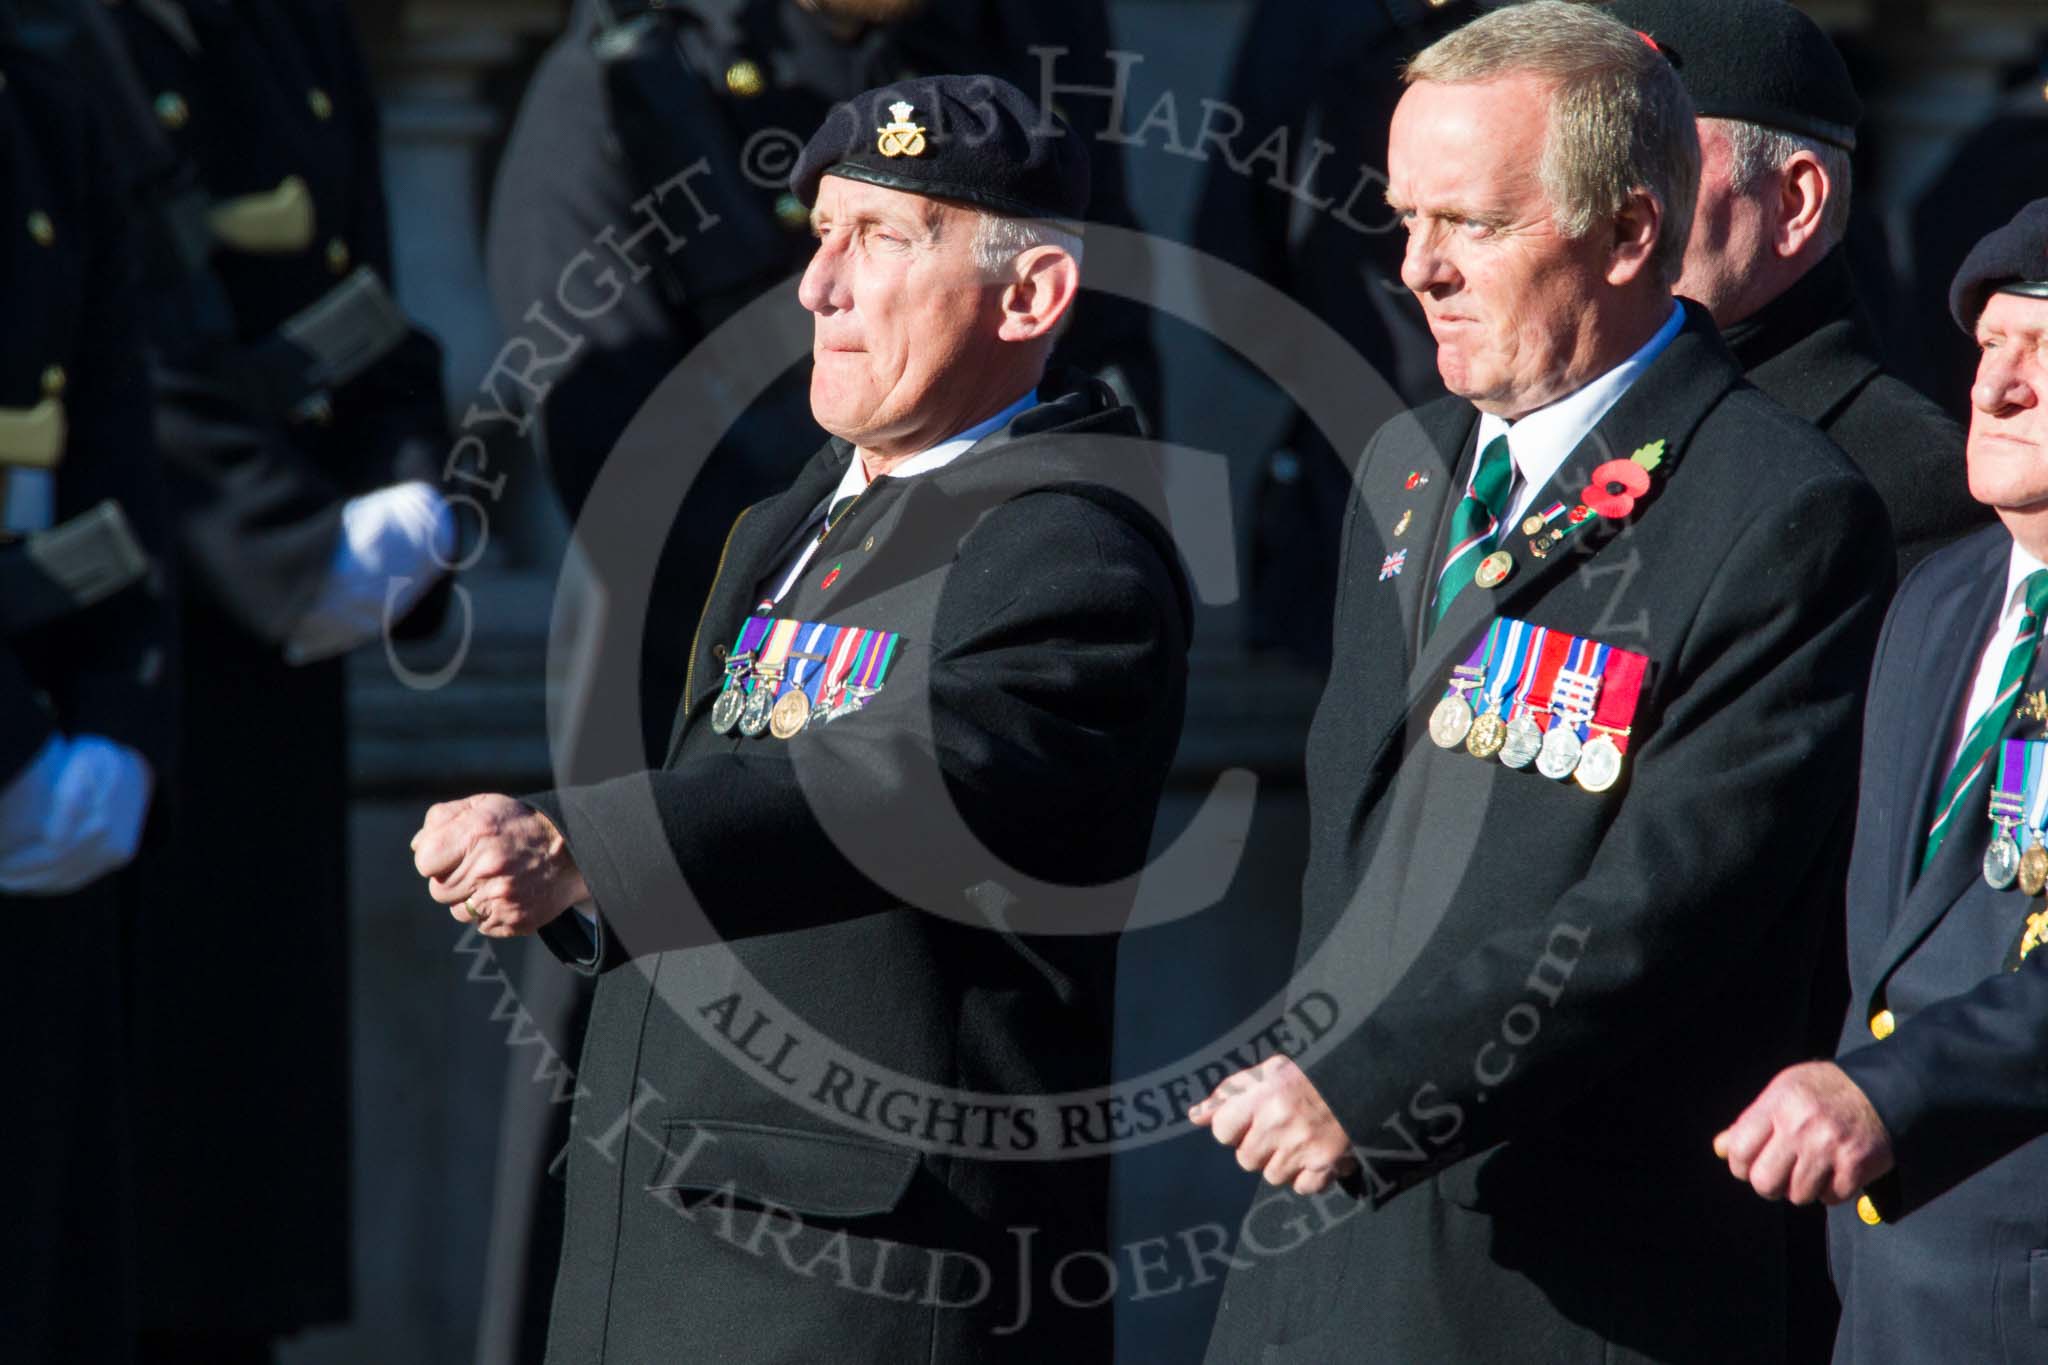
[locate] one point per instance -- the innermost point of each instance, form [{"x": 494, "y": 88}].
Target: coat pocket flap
[{"x": 827, "y": 1175}]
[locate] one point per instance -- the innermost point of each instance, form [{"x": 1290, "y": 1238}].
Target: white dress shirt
[
  {"x": 855, "y": 480},
  {"x": 1541, "y": 442},
  {"x": 1991, "y": 663}
]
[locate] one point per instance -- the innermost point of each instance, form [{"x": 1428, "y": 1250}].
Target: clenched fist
[
  {"x": 1812, "y": 1134},
  {"x": 497, "y": 863}
]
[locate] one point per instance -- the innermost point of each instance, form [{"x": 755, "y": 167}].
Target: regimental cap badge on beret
[{"x": 902, "y": 137}]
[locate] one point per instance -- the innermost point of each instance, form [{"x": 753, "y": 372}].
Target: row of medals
[
  {"x": 1558, "y": 753},
  {"x": 786, "y": 717},
  {"x": 2004, "y": 864}
]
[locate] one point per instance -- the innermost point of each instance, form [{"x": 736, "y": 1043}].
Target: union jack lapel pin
[{"x": 1391, "y": 566}]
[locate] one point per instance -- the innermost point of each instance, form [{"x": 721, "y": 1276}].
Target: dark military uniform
[
  {"x": 629, "y": 96},
  {"x": 1330, "y": 77},
  {"x": 66, "y": 1283},
  {"x": 242, "y": 996},
  {"x": 1812, "y": 349}
]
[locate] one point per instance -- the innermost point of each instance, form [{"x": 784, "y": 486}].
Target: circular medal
[
  {"x": 1523, "y": 741},
  {"x": 754, "y": 715},
  {"x": 1494, "y": 569},
  {"x": 1450, "y": 722},
  {"x": 1489, "y": 732},
  {"x": 790, "y": 716},
  {"x": 2001, "y": 861},
  {"x": 1532, "y": 526},
  {"x": 725, "y": 712},
  {"x": 1599, "y": 765},
  {"x": 2034, "y": 870},
  {"x": 1559, "y": 754}
]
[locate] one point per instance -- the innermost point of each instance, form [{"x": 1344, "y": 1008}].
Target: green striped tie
[
  {"x": 1473, "y": 523},
  {"x": 1990, "y": 726}
]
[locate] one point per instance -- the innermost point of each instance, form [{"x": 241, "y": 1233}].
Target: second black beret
[
  {"x": 974, "y": 138},
  {"x": 1757, "y": 61}
]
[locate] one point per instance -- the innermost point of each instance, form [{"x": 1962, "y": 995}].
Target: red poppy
[{"x": 1616, "y": 486}]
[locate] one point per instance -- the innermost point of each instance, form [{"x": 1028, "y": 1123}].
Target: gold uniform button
[
  {"x": 337, "y": 256},
  {"x": 172, "y": 111},
  {"x": 744, "y": 79},
  {"x": 1867, "y": 1211},
  {"x": 867, "y": 544},
  {"x": 41, "y": 228},
  {"x": 1881, "y": 1025},
  {"x": 320, "y": 104},
  {"x": 53, "y": 382}
]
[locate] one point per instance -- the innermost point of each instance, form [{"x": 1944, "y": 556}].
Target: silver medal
[
  {"x": 725, "y": 712},
  {"x": 1560, "y": 752},
  {"x": 1524, "y": 741},
  {"x": 754, "y": 715},
  {"x": 1599, "y": 765},
  {"x": 1450, "y": 722},
  {"x": 2001, "y": 861}
]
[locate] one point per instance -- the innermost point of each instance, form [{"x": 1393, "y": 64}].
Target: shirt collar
[
  {"x": 2016, "y": 571},
  {"x": 1542, "y": 441},
  {"x": 939, "y": 456}
]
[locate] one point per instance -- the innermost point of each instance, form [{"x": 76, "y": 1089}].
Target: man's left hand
[
  {"x": 1812, "y": 1134},
  {"x": 1279, "y": 1125},
  {"x": 497, "y": 863}
]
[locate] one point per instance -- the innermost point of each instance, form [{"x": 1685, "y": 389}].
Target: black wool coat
[
  {"x": 67, "y": 1289},
  {"x": 246, "y": 95},
  {"x": 1813, "y": 350},
  {"x": 1548, "y": 1001},
  {"x": 1955, "y": 1272},
  {"x": 884, "y": 886}
]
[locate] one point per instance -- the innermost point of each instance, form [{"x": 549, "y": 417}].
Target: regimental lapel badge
[
  {"x": 2034, "y": 707},
  {"x": 1416, "y": 479},
  {"x": 901, "y": 138},
  {"x": 1391, "y": 566},
  {"x": 832, "y": 577},
  {"x": 1401, "y": 526}
]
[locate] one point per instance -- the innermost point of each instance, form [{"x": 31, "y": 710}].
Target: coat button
[
  {"x": 337, "y": 256},
  {"x": 41, "y": 228},
  {"x": 718, "y": 653},
  {"x": 53, "y": 382},
  {"x": 1881, "y": 1025},
  {"x": 320, "y": 104},
  {"x": 172, "y": 111},
  {"x": 1867, "y": 1211},
  {"x": 744, "y": 79}
]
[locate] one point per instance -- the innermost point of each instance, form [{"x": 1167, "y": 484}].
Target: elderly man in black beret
[
  {"x": 1777, "y": 123},
  {"x": 862, "y": 923},
  {"x": 1926, "y": 1131}
]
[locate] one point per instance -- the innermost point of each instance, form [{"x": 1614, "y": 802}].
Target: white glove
[
  {"x": 72, "y": 816},
  {"x": 387, "y": 552}
]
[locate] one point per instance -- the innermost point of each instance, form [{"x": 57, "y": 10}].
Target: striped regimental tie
[
  {"x": 1985, "y": 734},
  {"x": 1473, "y": 523}
]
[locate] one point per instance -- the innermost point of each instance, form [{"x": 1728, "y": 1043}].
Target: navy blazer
[{"x": 1959, "y": 1269}]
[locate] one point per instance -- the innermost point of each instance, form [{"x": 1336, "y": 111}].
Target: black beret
[
  {"x": 975, "y": 138},
  {"x": 1756, "y": 61},
  {"x": 2011, "y": 260}
]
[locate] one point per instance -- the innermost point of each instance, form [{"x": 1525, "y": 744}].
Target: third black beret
[
  {"x": 2014, "y": 258},
  {"x": 1756, "y": 61}
]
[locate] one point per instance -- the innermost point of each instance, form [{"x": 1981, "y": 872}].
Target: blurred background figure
[
  {"x": 1313, "y": 222},
  {"x": 86, "y": 648},
  {"x": 629, "y": 98},
  {"x": 301, "y": 418}
]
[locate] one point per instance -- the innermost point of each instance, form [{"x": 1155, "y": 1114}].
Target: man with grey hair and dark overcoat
[{"x": 1601, "y": 639}]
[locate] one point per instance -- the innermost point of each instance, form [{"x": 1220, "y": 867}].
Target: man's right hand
[{"x": 1812, "y": 1134}]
